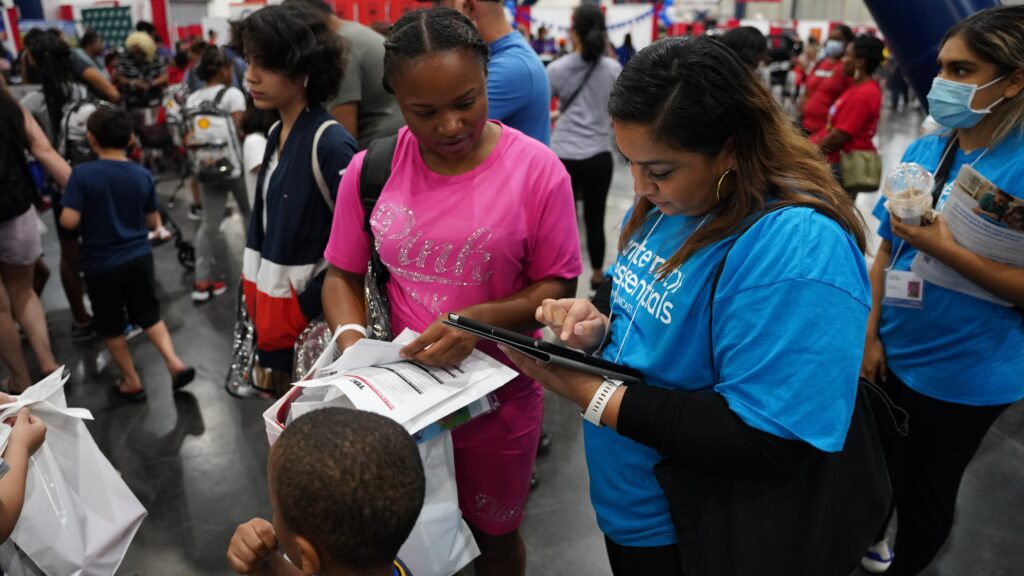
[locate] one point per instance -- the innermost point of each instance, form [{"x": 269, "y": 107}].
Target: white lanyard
[{"x": 611, "y": 313}]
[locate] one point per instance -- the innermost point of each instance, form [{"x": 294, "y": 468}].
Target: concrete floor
[{"x": 197, "y": 459}]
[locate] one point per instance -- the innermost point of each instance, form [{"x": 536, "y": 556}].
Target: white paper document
[
  {"x": 983, "y": 219},
  {"x": 373, "y": 377}
]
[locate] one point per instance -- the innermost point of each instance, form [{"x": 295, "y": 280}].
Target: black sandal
[
  {"x": 132, "y": 396},
  {"x": 183, "y": 378}
]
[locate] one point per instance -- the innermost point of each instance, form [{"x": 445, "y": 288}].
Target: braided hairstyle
[
  {"x": 53, "y": 70},
  {"x": 423, "y": 32}
]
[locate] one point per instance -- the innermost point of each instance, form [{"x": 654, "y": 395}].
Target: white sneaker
[{"x": 878, "y": 558}]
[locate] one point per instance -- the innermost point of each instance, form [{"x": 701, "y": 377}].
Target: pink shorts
[
  {"x": 20, "y": 244},
  {"x": 494, "y": 457}
]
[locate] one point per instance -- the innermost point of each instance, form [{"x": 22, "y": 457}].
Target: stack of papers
[{"x": 371, "y": 376}]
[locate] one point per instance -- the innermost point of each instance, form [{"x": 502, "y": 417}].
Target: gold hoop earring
[{"x": 718, "y": 189}]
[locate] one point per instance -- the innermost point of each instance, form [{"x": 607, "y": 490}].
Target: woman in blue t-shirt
[
  {"x": 953, "y": 361},
  {"x": 711, "y": 153}
]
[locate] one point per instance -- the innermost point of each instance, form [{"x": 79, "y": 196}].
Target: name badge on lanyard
[{"x": 903, "y": 289}]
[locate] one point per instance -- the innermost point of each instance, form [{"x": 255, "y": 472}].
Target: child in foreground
[
  {"x": 346, "y": 488},
  {"x": 114, "y": 202}
]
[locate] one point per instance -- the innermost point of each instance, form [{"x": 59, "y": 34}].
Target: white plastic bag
[
  {"x": 441, "y": 543},
  {"x": 79, "y": 516}
]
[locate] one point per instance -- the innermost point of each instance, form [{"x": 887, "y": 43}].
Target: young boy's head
[
  {"x": 109, "y": 129},
  {"x": 346, "y": 488}
]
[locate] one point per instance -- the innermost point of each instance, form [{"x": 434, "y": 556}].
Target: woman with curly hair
[{"x": 294, "y": 66}]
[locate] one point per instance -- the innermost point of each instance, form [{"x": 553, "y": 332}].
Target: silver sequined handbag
[
  {"x": 378, "y": 308},
  {"x": 239, "y": 380}
]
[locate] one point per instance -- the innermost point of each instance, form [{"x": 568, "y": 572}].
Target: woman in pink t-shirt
[{"x": 476, "y": 218}]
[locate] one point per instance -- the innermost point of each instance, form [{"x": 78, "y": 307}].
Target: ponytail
[{"x": 588, "y": 24}]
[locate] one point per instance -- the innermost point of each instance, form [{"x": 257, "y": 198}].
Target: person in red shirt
[
  {"x": 826, "y": 81},
  {"x": 176, "y": 73},
  {"x": 853, "y": 119}
]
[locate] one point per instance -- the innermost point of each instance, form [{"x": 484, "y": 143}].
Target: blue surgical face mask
[
  {"x": 950, "y": 103},
  {"x": 834, "y": 48}
]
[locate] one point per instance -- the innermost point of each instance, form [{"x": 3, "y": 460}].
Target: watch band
[{"x": 600, "y": 401}]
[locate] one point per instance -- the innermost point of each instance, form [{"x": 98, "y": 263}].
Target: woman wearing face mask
[
  {"x": 853, "y": 120},
  {"x": 954, "y": 362},
  {"x": 769, "y": 385},
  {"x": 462, "y": 226},
  {"x": 826, "y": 82},
  {"x": 294, "y": 65}
]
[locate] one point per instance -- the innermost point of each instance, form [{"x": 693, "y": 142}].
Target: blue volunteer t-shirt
[
  {"x": 114, "y": 198},
  {"x": 790, "y": 314},
  {"x": 518, "y": 93},
  {"x": 956, "y": 348}
]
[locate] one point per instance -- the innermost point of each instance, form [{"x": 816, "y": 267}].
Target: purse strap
[
  {"x": 898, "y": 421},
  {"x": 945, "y": 167},
  {"x": 568, "y": 101},
  {"x": 714, "y": 286}
]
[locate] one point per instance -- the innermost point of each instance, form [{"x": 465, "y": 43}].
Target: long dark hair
[
  {"x": 52, "y": 69},
  {"x": 588, "y": 24},
  {"x": 696, "y": 95},
  {"x": 426, "y": 31},
  {"x": 12, "y": 119}
]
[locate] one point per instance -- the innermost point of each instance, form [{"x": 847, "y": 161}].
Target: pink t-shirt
[{"x": 454, "y": 241}]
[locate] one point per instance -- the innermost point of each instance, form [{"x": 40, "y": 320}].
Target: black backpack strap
[
  {"x": 375, "y": 173},
  {"x": 220, "y": 95},
  {"x": 945, "y": 167}
]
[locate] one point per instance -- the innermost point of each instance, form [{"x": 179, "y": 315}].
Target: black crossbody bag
[{"x": 817, "y": 521}]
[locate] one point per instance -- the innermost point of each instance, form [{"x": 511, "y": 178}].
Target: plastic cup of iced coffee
[{"x": 908, "y": 192}]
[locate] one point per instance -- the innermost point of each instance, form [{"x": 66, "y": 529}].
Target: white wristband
[
  {"x": 356, "y": 327},
  {"x": 600, "y": 401}
]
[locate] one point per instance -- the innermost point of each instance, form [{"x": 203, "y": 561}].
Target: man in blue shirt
[{"x": 517, "y": 86}]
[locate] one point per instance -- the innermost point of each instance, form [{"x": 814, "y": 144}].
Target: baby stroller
[
  {"x": 171, "y": 231},
  {"x": 158, "y": 134}
]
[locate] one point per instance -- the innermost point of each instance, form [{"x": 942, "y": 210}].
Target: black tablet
[{"x": 546, "y": 351}]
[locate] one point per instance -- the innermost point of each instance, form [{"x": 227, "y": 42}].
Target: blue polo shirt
[
  {"x": 790, "y": 313},
  {"x": 957, "y": 348},
  {"x": 114, "y": 198},
  {"x": 517, "y": 87}
]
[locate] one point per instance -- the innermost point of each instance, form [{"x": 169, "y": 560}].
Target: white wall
[
  {"x": 185, "y": 13},
  {"x": 848, "y": 11}
]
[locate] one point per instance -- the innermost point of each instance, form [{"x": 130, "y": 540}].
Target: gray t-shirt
[
  {"x": 379, "y": 114},
  {"x": 584, "y": 130}
]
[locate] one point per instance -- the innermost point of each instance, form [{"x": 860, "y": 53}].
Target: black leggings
[
  {"x": 591, "y": 179},
  {"x": 653, "y": 561},
  {"x": 926, "y": 468}
]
